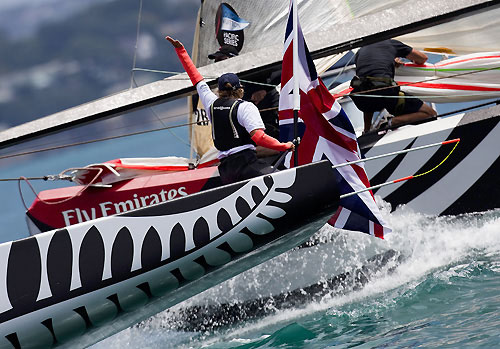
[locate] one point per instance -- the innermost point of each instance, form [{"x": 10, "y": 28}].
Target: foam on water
[{"x": 444, "y": 259}]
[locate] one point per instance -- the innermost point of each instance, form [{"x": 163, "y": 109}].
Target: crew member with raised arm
[{"x": 236, "y": 124}]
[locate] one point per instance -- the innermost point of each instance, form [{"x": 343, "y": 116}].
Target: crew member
[
  {"x": 224, "y": 52},
  {"x": 375, "y": 69},
  {"x": 265, "y": 98},
  {"x": 237, "y": 125},
  {"x": 262, "y": 92}
]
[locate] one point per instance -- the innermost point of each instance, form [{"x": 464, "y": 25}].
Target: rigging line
[
  {"x": 170, "y": 73},
  {"x": 432, "y": 169},
  {"x": 45, "y": 178},
  {"x": 53, "y": 177},
  {"x": 158, "y": 71},
  {"x": 343, "y": 70},
  {"x": 121, "y": 128},
  {"x": 186, "y": 78},
  {"x": 155, "y": 114},
  {"x": 139, "y": 17},
  {"x": 21, "y": 192},
  {"x": 167, "y": 117},
  {"x": 182, "y": 125},
  {"x": 427, "y": 80},
  {"x": 92, "y": 141},
  {"x": 258, "y": 83},
  {"x": 271, "y": 85},
  {"x": 398, "y": 152},
  {"x": 497, "y": 101},
  {"x": 431, "y": 96},
  {"x": 115, "y": 137},
  {"x": 448, "y": 113},
  {"x": 150, "y": 108},
  {"x": 208, "y": 77},
  {"x": 268, "y": 109},
  {"x": 400, "y": 179}
]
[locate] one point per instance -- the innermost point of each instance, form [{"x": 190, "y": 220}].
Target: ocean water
[
  {"x": 443, "y": 293},
  {"x": 15, "y": 196},
  {"x": 443, "y": 290}
]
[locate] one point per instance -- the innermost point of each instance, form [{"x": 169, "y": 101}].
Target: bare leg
[
  {"x": 368, "y": 116},
  {"x": 265, "y": 152},
  {"x": 424, "y": 112}
]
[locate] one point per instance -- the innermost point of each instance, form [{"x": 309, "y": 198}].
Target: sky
[{"x": 11, "y": 4}]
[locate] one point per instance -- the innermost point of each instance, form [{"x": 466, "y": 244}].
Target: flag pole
[{"x": 296, "y": 93}]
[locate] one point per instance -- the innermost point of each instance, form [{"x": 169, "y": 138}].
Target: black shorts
[
  {"x": 393, "y": 103},
  {"x": 242, "y": 165}
]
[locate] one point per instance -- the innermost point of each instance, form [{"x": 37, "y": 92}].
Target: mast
[{"x": 327, "y": 41}]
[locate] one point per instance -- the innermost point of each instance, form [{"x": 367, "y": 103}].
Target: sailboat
[
  {"x": 466, "y": 33},
  {"x": 127, "y": 276},
  {"x": 476, "y": 130}
]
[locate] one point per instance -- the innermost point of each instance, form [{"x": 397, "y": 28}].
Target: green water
[{"x": 445, "y": 294}]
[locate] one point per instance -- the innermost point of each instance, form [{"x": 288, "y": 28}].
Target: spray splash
[{"x": 441, "y": 254}]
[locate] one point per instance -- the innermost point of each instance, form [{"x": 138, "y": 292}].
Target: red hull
[{"x": 96, "y": 202}]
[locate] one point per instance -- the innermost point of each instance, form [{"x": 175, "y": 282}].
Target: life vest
[{"x": 227, "y": 132}]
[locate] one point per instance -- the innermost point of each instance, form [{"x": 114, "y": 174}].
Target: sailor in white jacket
[{"x": 236, "y": 124}]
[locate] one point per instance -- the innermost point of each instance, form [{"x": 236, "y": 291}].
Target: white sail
[
  {"x": 330, "y": 26},
  {"x": 465, "y": 35},
  {"x": 463, "y": 78},
  {"x": 200, "y": 129},
  {"x": 477, "y": 33},
  {"x": 460, "y": 79}
]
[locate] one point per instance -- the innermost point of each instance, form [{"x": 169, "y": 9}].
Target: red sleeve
[
  {"x": 188, "y": 65},
  {"x": 260, "y": 138}
]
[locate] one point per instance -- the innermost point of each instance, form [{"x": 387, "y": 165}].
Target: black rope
[{"x": 45, "y": 178}]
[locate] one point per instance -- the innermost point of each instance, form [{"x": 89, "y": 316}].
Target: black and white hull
[
  {"x": 466, "y": 182},
  {"x": 96, "y": 278}
]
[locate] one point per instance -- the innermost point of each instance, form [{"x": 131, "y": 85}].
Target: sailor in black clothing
[
  {"x": 262, "y": 92},
  {"x": 236, "y": 124},
  {"x": 224, "y": 52},
  {"x": 375, "y": 69}
]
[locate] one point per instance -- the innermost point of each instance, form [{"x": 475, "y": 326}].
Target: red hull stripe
[
  {"x": 449, "y": 86},
  {"x": 437, "y": 65}
]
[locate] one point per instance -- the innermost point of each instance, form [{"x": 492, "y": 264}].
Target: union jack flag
[{"x": 326, "y": 132}]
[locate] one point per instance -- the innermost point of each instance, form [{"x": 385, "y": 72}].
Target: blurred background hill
[{"x": 57, "y": 54}]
